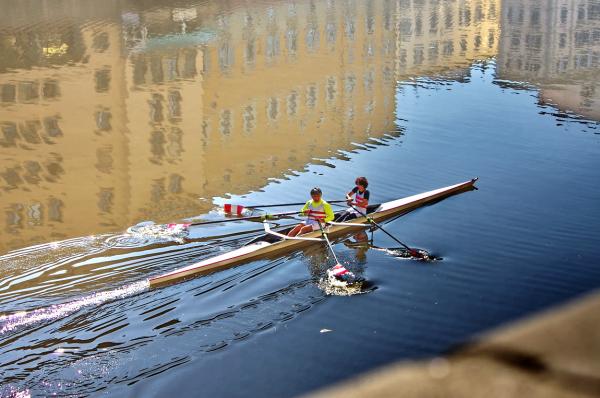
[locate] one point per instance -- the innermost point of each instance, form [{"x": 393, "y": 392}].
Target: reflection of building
[
  {"x": 153, "y": 108},
  {"x": 555, "y": 44},
  {"x": 442, "y": 35}
]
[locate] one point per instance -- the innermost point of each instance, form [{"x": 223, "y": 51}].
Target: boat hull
[{"x": 262, "y": 248}]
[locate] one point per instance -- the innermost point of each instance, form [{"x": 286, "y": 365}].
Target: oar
[
  {"x": 238, "y": 209},
  {"x": 337, "y": 262},
  {"x": 412, "y": 251},
  {"x": 253, "y": 218},
  {"x": 338, "y": 270}
]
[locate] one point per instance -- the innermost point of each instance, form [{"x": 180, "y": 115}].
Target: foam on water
[{"x": 28, "y": 318}]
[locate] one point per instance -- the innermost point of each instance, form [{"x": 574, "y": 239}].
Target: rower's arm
[
  {"x": 329, "y": 216},
  {"x": 305, "y": 208}
]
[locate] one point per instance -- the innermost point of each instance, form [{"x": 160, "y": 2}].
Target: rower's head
[
  {"x": 362, "y": 183},
  {"x": 316, "y": 194}
]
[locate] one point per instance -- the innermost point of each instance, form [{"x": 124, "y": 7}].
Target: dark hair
[
  {"x": 362, "y": 181},
  {"x": 316, "y": 190}
]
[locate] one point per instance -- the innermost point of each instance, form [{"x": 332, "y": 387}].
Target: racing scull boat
[{"x": 278, "y": 241}]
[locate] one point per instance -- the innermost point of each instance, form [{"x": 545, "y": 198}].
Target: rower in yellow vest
[{"x": 316, "y": 211}]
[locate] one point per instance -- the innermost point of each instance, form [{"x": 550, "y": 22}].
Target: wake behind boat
[{"x": 273, "y": 242}]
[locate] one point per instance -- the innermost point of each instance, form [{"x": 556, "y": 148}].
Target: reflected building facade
[
  {"x": 556, "y": 45},
  {"x": 138, "y": 114}
]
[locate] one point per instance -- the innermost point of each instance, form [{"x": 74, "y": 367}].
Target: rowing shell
[{"x": 275, "y": 242}]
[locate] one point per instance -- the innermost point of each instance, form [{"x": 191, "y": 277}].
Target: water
[{"x": 122, "y": 113}]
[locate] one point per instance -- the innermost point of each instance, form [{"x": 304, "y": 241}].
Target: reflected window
[
  {"x": 175, "y": 143},
  {"x": 157, "y": 193},
  {"x": 250, "y": 52},
  {"x": 140, "y": 67},
  {"x": 156, "y": 108},
  {"x": 582, "y": 38},
  {"x": 226, "y": 56},
  {"x": 370, "y": 19},
  {"x": 189, "y": 64},
  {"x": 449, "y": 18},
  {"x": 448, "y": 48},
  {"x": 403, "y": 56},
  {"x": 29, "y": 131},
  {"x": 273, "y": 109},
  {"x": 312, "y": 38},
  {"x": 291, "y": 40},
  {"x": 175, "y": 183},
  {"x": 331, "y": 89},
  {"x": 28, "y": 91},
  {"x": 156, "y": 69},
  {"x": 564, "y": 12},
  {"x": 50, "y": 89},
  {"x": 35, "y": 214},
  {"x": 32, "y": 172},
  {"x": 515, "y": 41},
  {"x": 226, "y": 122},
  {"x": 9, "y": 134},
  {"x": 369, "y": 48},
  {"x": 157, "y": 146},
  {"x": 479, "y": 13},
  {"x": 205, "y": 132},
  {"x": 405, "y": 28},
  {"x": 418, "y": 25},
  {"x": 105, "y": 200},
  {"x": 349, "y": 83},
  {"x": 331, "y": 31},
  {"x": 205, "y": 60},
  {"x": 292, "y": 103},
  {"x": 311, "y": 96},
  {"x": 433, "y": 51},
  {"x": 249, "y": 118},
  {"x": 272, "y": 49},
  {"x": 171, "y": 67},
  {"x": 418, "y": 56},
  {"x": 55, "y": 212},
  {"x": 102, "y": 118},
  {"x": 104, "y": 159},
  {"x": 369, "y": 80},
  {"x": 51, "y": 126},
  {"x": 102, "y": 78},
  {"x": 535, "y": 17},
  {"x": 53, "y": 166},
  {"x": 349, "y": 28},
  {"x": 477, "y": 42},
  {"x": 433, "y": 21},
  {"x": 580, "y": 13},
  {"x": 14, "y": 216},
  {"x": 100, "y": 42},
  {"x": 8, "y": 92},
  {"x": 11, "y": 177},
  {"x": 534, "y": 41},
  {"x": 174, "y": 99}
]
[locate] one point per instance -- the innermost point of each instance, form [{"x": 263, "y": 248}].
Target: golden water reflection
[{"x": 116, "y": 112}]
